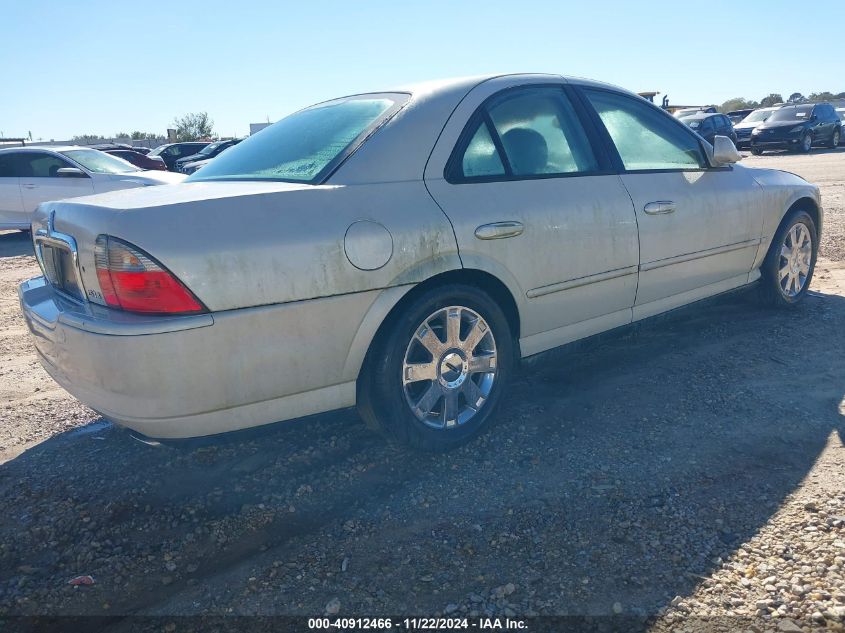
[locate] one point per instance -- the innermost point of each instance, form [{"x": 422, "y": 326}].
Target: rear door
[
  {"x": 535, "y": 201},
  {"x": 40, "y": 181},
  {"x": 699, "y": 226},
  {"x": 11, "y": 202}
]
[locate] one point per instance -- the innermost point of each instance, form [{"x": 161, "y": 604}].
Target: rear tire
[
  {"x": 756, "y": 151},
  {"x": 787, "y": 271},
  {"x": 835, "y": 138},
  {"x": 428, "y": 384}
]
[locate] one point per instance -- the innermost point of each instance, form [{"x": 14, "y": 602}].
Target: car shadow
[
  {"x": 15, "y": 244},
  {"x": 621, "y": 473}
]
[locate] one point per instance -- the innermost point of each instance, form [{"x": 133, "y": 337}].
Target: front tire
[
  {"x": 756, "y": 151},
  {"x": 806, "y": 143},
  {"x": 434, "y": 380},
  {"x": 835, "y": 138},
  {"x": 788, "y": 268}
]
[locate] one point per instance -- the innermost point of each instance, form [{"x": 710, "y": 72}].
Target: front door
[
  {"x": 530, "y": 197},
  {"x": 699, "y": 226},
  {"x": 40, "y": 181}
]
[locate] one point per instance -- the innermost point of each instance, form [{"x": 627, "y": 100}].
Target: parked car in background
[
  {"x": 190, "y": 168},
  {"x": 685, "y": 112},
  {"x": 744, "y": 128},
  {"x": 104, "y": 147},
  {"x": 402, "y": 251},
  {"x": 209, "y": 151},
  {"x": 171, "y": 152},
  {"x": 32, "y": 175},
  {"x": 798, "y": 128},
  {"x": 709, "y": 125},
  {"x": 738, "y": 115},
  {"x": 139, "y": 160}
]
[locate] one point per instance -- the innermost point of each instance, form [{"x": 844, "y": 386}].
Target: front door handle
[
  {"x": 29, "y": 186},
  {"x": 499, "y": 230},
  {"x": 660, "y": 207}
]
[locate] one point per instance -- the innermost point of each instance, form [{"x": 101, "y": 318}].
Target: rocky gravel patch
[{"x": 688, "y": 476}]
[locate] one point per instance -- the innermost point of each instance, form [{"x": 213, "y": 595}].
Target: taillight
[{"x": 132, "y": 280}]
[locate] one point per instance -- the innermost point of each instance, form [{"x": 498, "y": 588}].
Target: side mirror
[
  {"x": 724, "y": 152},
  {"x": 71, "y": 172}
]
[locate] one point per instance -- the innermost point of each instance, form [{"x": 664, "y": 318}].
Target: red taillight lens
[{"x": 132, "y": 280}]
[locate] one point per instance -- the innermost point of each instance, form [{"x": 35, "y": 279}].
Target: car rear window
[{"x": 307, "y": 145}]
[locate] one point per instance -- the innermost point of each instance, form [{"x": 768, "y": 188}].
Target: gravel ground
[{"x": 692, "y": 473}]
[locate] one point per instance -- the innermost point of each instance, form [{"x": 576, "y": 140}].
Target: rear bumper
[{"x": 179, "y": 377}]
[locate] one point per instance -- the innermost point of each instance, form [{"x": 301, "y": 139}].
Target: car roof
[
  {"x": 44, "y": 148},
  {"x": 702, "y": 115}
]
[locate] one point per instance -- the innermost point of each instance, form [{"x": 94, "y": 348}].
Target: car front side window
[{"x": 645, "y": 137}]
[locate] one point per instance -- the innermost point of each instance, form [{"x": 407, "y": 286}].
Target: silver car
[{"x": 402, "y": 251}]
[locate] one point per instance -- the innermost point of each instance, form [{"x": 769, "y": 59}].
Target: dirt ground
[{"x": 691, "y": 473}]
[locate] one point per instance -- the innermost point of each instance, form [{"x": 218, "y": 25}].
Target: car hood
[
  {"x": 192, "y": 158},
  {"x": 775, "y": 125},
  {"x": 149, "y": 177}
]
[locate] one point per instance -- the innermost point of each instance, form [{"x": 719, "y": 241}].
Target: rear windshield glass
[
  {"x": 801, "y": 113},
  {"x": 306, "y": 145}
]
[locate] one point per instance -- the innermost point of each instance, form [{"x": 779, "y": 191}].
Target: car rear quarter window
[
  {"x": 481, "y": 158},
  {"x": 645, "y": 137}
]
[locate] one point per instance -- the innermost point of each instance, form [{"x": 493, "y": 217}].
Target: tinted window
[
  {"x": 306, "y": 145},
  {"x": 645, "y": 136},
  {"x": 706, "y": 126},
  {"x": 38, "y": 165},
  {"x": 481, "y": 158},
  {"x": 7, "y": 165},
  {"x": 541, "y": 133}
]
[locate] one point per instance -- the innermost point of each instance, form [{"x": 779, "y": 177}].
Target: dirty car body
[{"x": 389, "y": 197}]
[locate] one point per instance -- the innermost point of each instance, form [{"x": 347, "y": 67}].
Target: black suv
[
  {"x": 711, "y": 124},
  {"x": 798, "y": 128},
  {"x": 172, "y": 152},
  {"x": 209, "y": 151}
]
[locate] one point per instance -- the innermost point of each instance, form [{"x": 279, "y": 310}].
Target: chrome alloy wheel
[
  {"x": 795, "y": 255},
  {"x": 449, "y": 367}
]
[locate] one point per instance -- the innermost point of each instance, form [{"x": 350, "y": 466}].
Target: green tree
[
  {"x": 771, "y": 100},
  {"x": 141, "y": 136},
  {"x": 738, "y": 103},
  {"x": 121, "y": 135},
  {"x": 193, "y": 126},
  {"x": 87, "y": 139},
  {"x": 821, "y": 96},
  {"x": 796, "y": 97}
]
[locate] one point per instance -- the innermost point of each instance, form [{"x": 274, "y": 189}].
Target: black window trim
[
  {"x": 611, "y": 147},
  {"x": 452, "y": 172}
]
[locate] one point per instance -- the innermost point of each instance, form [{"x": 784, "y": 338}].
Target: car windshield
[
  {"x": 801, "y": 113},
  {"x": 99, "y": 162},
  {"x": 758, "y": 115},
  {"x": 210, "y": 148},
  {"x": 306, "y": 145}
]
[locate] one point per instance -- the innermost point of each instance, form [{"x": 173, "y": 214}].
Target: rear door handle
[
  {"x": 499, "y": 230},
  {"x": 29, "y": 186},
  {"x": 660, "y": 207}
]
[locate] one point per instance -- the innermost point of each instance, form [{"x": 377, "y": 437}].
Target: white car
[{"x": 32, "y": 175}]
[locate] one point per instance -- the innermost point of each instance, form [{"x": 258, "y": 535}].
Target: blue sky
[{"x": 95, "y": 66}]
